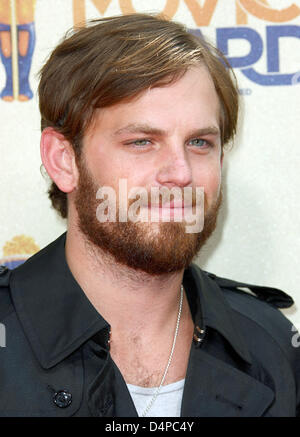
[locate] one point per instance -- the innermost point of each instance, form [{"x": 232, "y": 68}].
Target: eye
[
  {"x": 198, "y": 142},
  {"x": 142, "y": 142},
  {"x": 138, "y": 145}
]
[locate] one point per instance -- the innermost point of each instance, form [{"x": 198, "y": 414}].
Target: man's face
[{"x": 165, "y": 137}]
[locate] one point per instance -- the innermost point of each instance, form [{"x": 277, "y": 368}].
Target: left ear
[{"x": 58, "y": 158}]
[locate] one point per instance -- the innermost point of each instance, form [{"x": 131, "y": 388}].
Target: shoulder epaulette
[
  {"x": 4, "y": 276},
  {"x": 5, "y": 299},
  {"x": 273, "y": 296}
]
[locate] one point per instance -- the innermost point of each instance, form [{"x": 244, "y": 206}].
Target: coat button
[{"x": 62, "y": 398}]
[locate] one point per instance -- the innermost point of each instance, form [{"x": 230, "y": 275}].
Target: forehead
[{"x": 190, "y": 102}]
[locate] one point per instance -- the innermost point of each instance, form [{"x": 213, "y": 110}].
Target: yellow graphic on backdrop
[
  {"x": 20, "y": 245},
  {"x": 17, "y": 250},
  {"x": 260, "y": 9},
  {"x": 17, "y": 41},
  {"x": 202, "y": 12}
]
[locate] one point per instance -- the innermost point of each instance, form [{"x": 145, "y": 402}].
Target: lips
[
  {"x": 170, "y": 205},
  {"x": 173, "y": 204}
]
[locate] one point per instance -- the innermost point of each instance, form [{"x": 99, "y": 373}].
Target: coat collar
[
  {"x": 57, "y": 317},
  {"x": 214, "y": 311}
]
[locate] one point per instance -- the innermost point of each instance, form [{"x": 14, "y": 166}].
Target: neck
[
  {"x": 141, "y": 310},
  {"x": 123, "y": 296}
]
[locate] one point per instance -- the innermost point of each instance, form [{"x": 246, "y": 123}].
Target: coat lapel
[{"x": 215, "y": 389}]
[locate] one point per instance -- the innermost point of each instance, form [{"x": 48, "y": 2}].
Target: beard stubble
[{"x": 136, "y": 245}]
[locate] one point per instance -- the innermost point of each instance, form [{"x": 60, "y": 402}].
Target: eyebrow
[{"x": 147, "y": 129}]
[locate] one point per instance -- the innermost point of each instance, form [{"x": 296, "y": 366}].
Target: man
[{"x": 113, "y": 318}]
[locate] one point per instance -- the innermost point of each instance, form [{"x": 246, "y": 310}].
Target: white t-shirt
[{"x": 167, "y": 403}]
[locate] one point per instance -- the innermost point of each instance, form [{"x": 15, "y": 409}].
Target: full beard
[{"x": 136, "y": 244}]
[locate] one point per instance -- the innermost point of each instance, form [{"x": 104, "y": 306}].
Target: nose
[{"x": 174, "y": 169}]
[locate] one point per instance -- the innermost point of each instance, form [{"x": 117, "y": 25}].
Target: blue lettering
[
  {"x": 224, "y": 34},
  {"x": 196, "y": 32},
  {"x": 268, "y": 79},
  {"x": 274, "y": 33},
  {"x": 273, "y": 77},
  {"x": 245, "y": 63}
]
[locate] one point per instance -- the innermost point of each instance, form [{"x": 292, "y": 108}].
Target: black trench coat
[{"x": 244, "y": 360}]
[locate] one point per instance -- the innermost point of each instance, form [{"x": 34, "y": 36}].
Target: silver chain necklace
[{"x": 153, "y": 399}]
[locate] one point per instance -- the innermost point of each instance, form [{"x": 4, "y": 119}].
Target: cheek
[
  {"x": 138, "y": 171},
  {"x": 209, "y": 177},
  {"x": 109, "y": 172},
  {"x": 106, "y": 169}
]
